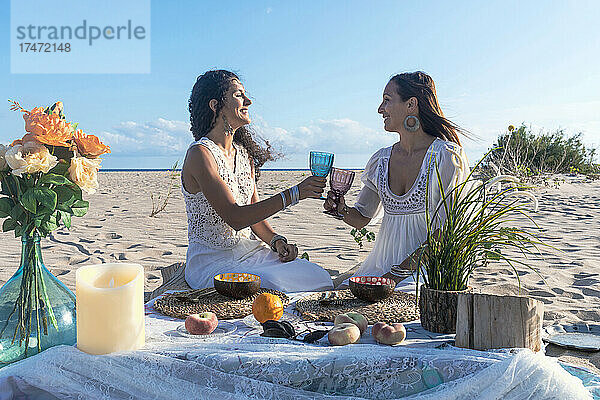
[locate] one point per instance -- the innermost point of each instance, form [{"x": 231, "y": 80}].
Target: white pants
[{"x": 252, "y": 256}]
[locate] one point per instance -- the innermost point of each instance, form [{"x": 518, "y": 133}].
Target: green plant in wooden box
[{"x": 468, "y": 227}]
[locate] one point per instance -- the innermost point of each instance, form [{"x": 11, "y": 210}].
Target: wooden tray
[
  {"x": 325, "y": 306},
  {"x": 182, "y": 304}
]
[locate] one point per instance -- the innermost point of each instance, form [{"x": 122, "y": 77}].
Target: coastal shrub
[
  {"x": 527, "y": 155},
  {"x": 159, "y": 201}
]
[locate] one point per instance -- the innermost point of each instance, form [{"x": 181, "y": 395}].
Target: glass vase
[{"x": 37, "y": 311}]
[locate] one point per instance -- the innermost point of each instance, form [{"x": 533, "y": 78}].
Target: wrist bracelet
[
  {"x": 294, "y": 194},
  {"x": 296, "y": 197},
  {"x": 283, "y": 200},
  {"x": 275, "y": 239}
]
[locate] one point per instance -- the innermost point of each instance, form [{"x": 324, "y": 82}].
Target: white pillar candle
[{"x": 110, "y": 308}]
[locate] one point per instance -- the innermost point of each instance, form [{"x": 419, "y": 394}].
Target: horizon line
[{"x": 179, "y": 169}]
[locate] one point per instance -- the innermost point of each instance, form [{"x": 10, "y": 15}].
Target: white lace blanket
[{"x": 246, "y": 365}]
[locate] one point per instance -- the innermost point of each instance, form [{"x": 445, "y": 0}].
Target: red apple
[
  {"x": 201, "y": 324},
  {"x": 353, "y": 318},
  {"x": 343, "y": 334},
  {"x": 388, "y": 334}
]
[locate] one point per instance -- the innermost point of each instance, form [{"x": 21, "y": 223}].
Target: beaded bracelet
[{"x": 275, "y": 239}]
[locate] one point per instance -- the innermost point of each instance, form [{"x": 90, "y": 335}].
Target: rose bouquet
[{"x": 42, "y": 176}]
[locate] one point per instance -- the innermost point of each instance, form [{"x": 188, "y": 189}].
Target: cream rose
[
  {"x": 84, "y": 172},
  {"x": 3, "y": 163},
  {"x": 29, "y": 158}
]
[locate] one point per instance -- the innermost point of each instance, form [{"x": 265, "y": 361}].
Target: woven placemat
[
  {"x": 325, "y": 306},
  {"x": 182, "y": 304}
]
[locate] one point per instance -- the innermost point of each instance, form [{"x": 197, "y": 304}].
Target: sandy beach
[{"x": 118, "y": 228}]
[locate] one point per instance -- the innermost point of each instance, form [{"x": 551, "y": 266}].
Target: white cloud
[
  {"x": 171, "y": 137},
  {"x": 349, "y": 139},
  {"x": 159, "y": 137},
  {"x": 336, "y": 135}
]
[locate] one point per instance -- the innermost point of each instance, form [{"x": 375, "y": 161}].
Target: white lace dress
[
  {"x": 215, "y": 247},
  {"x": 403, "y": 227}
]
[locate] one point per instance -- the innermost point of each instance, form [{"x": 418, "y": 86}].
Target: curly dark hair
[
  {"x": 420, "y": 85},
  {"x": 214, "y": 85}
]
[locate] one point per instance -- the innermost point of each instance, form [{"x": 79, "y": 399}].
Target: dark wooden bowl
[
  {"x": 372, "y": 288},
  {"x": 237, "y": 285}
]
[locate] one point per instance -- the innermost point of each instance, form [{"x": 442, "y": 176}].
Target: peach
[
  {"x": 353, "y": 318},
  {"x": 201, "y": 324},
  {"x": 388, "y": 334},
  {"x": 343, "y": 334}
]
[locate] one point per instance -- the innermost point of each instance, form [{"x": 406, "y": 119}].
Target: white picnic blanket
[{"x": 245, "y": 365}]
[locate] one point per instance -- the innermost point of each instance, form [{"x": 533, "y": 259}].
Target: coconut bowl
[
  {"x": 237, "y": 285},
  {"x": 371, "y": 288}
]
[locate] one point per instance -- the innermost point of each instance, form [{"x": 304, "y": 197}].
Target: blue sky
[{"x": 316, "y": 70}]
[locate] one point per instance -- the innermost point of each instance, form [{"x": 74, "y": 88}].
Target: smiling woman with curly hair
[{"x": 227, "y": 227}]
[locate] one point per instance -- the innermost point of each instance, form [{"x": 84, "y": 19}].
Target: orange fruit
[{"x": 267, "y": 306}]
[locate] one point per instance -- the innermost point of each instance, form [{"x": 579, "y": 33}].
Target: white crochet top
[{"x": 205, "y": 226}]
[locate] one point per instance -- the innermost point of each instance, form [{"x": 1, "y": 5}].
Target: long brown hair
[
  {"x": 420, "y": 85},
  {"x": 214, "y": 85}
]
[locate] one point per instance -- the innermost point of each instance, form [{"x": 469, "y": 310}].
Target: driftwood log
[
  {"x": 487, "y": 321},
  {"x": 438, "y": 309}
]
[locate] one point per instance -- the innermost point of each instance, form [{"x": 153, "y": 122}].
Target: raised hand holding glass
[
  {"x": 320, "y": 164},
  {"x": 340, "y": 181}
]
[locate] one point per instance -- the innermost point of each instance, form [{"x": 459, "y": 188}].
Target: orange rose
[
  {"x": 32, "y": 118},
  {"x": 89, "y": 145},
  {"x": 47, "y": 129}
]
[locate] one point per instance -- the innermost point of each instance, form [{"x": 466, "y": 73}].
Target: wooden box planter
[
  {"x": 487, "y": 321},
  {"x": 438, "y": 309}
]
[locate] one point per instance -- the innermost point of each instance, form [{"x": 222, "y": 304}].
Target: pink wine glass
[{"x": 340, "y": 181}]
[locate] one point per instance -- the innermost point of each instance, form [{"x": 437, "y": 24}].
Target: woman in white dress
[
  {"x": 227, "y": 227},
  {"x": 395, "y": 178}
]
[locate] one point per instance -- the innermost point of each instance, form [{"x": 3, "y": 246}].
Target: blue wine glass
[{"x": 320, "y": 164}]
